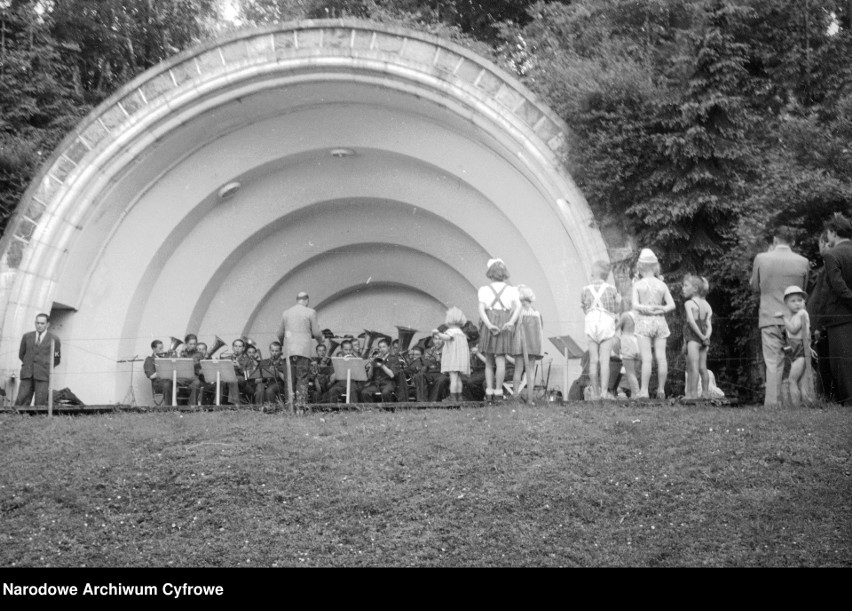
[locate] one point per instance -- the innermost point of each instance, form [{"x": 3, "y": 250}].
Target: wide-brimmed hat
[
  {"x": 794, "y": 290},
  {"x": 646, "y": 255}
]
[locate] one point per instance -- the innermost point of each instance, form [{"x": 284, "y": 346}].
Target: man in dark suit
[
  {"x": 35, "y": 362},
  {"x": 837, "y": 309},
  {"x": 772, "y": 273}
]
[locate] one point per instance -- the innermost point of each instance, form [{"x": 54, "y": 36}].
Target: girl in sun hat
[
  {"x": 652, "y": 300},
  {"x": 499, "y": 308}
]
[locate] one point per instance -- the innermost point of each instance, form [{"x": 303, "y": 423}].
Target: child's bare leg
[
  {"x": 662, "y": 366},
  {"x": 454, "y": 382},
  {"x": 630, "y": 372},
  {"x": 594, "y": 380},
  {"x": 516, "y": 377},
  {"x": 645, "y": 350},
  {"x": 500, "y": 374},
  {"x": 702, "y": 370},
  {"x": 692, "y": 368},
  {"x": 797, "y": 370},
  {"x": 489, "y": 373},
  {"x": 606, "y": 348}
]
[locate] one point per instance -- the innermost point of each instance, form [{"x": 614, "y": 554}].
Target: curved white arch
[{"x": 124, "y": 235}]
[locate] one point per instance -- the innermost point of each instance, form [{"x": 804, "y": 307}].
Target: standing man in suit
[
  {"x": 837, "y": 310},
  {"x": 35, "y": 362},
  {"x": 299, "y": 327},
  {"x": 771, "y": 274}
]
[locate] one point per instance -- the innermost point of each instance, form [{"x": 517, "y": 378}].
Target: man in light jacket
[
  {"x": 299, "y": 328},
  {"x": 772, "y": 273}
]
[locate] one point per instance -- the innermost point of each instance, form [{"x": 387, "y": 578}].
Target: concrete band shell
[{"x": 123, "y": 235}]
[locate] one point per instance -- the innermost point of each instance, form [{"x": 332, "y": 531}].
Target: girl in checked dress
[
  {"x": 455, "y": 358},
  {"x": 526, "y": 343},
  {"x": 499, "y": 308}
]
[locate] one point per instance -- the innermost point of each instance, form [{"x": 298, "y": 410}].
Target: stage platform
[{"x": 356, "y": 407}]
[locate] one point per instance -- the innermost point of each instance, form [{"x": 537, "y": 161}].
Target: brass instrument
[
  {"x": 217, "y": 344},
  {"x": 371, "y": 337},
  {"x": 174, "y": 346},
  {"x": 406, "y": 334}
]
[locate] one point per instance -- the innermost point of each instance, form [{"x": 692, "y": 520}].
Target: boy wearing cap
[
  {"x": 798, "y": 329},
  {"x": 771, "y": 273}
]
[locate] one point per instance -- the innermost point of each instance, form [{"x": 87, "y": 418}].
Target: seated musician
[
  {"x": 338, "y": 387},
  {"x": 424, "y": 380},
  {"x": 251, "y": 372},
  {"x": 241, "y": 363},
  {"x": 473, "y": 385},
  {"x": 273, "y": 381},
  {"x": 208, "y": 389},
  {"x": 159, "y": 386},
  {"x": 321, "y": 371},
  {"x": 381, "y": 374},
  {"x": 190, "y": 351}
]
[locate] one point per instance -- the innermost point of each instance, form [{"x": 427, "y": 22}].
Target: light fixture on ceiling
[
  {"x": 340, "y": 153},
  {"x": 229, "y": 190}
]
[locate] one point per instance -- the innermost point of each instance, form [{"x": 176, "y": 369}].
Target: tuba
[
  {"x": 371, "y": 337},
  {"x": 174, "y": 346},
  {"x": 219, "y": 343},
  {"x": 406, "y": 334}
]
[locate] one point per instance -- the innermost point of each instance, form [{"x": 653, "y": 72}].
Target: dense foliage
[{"x": 696, "y": 124}]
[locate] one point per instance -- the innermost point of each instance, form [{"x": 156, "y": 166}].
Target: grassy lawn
[{"x": 572, "y": 485}]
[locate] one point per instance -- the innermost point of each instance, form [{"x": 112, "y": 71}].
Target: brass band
[{"x": 396, "y": 370}]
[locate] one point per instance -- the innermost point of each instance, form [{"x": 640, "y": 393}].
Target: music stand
[
  {"x": 131, "y": 394},
  {"x": 568, "y": 348},
  {"x": 176, "y": 369},
  {"x": 351, "y": 368},
  {"x": 222, "y": 371}
]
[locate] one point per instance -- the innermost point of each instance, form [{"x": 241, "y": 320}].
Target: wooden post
[
  {"x": 218, "y": 387},
  {"x": 174, "y": 387},
  {"x": 290, "y": 399},
  {"x": 348, "y": 383},
  {"x": 50, "y": 378}
]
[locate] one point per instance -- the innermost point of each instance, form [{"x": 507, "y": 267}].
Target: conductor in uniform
[
  {"x": 35, "y": 362},
  {"x": 299, "y": 327}
]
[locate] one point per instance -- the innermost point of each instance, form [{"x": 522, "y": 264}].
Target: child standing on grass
[
  {"x": 499, "y": 308},
  {"x": 455, "y": 358},
  {"x": 696, "y": 334},
  {"x": 600, "y": 302},
  {"x": 652, "y": 300},
  {"x": 526, "y": 343},
  {"x": 629, "y": 348},
  {"x": 798, "y": 342}
]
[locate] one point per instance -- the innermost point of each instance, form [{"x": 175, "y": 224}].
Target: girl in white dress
[{"x": 455, "y": 357}]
